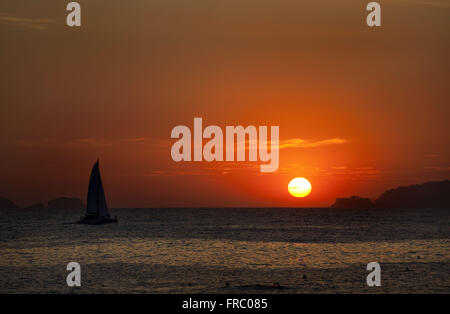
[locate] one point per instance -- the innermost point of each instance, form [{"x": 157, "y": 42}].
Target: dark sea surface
[{"x": 199, "y": 250}]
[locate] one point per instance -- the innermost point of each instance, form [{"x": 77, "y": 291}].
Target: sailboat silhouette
[{"x": 96, "y": 209}]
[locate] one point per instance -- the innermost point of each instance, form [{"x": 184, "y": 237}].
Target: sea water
[{"x": 201, "y": 250}]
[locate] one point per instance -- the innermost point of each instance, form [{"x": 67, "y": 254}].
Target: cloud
[
  {"x": 355, "y": 173},
  {"x": 432, "y": 155},
  {"x": 35, "y": 23},
  {"x": 301, "y": 143},
  {"x": 173, "y": 173},
  {"x": 366, "y": 173},
  {"x": 97, "y": 142},
  {"x": 350, "y": 173},
  {"x": 289, "y": 143},
  {"x": 341, "y": 171},
  {"x": 199, "y": 169},
  {"x": 339, "y": 167}
]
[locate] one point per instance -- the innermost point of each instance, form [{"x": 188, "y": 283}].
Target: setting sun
[{"x": 299, "y": 187}]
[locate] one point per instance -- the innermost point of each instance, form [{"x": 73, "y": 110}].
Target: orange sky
[{"x": 116, "y": 87}]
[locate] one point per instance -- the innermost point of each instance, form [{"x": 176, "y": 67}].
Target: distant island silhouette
[
  {"x": 434, "y": 194},
  {"x": 427, "y": 195},
  {"x": 71, "y": 203},
  {"x": 352, "y": 202},
  {"x": 7, "y": 204}
]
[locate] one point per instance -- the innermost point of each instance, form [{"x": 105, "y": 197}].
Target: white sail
[{"x": 96, "y": 201}]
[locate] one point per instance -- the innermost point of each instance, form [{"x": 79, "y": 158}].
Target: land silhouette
[
  {"x": 7, "y": 204},
  {"x": 434, "y": 194},
  {"x": 57, "y": 203}
]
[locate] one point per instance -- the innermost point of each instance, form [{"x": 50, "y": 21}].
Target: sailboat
[{"x": 96, "y": 209}]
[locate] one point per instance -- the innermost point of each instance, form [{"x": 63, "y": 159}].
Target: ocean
[{"x": 201, "y": 250}]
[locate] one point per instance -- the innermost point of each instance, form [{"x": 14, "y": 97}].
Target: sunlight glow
[{"x": 299, "y": 187}]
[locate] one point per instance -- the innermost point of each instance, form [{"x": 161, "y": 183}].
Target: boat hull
[{"x": 99, "y": 221}]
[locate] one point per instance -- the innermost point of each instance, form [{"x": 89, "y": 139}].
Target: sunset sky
[{"x": 363, "y": 109}]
